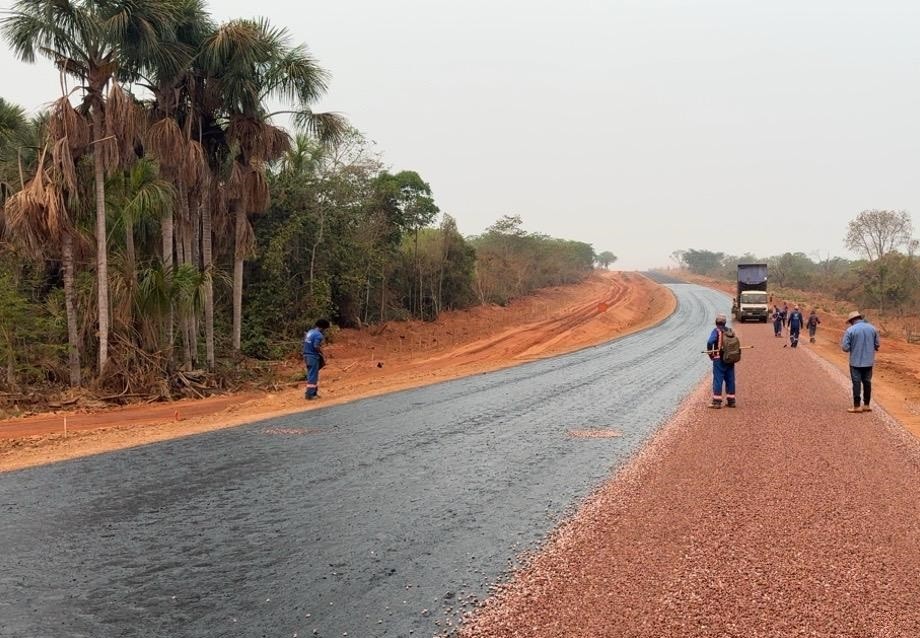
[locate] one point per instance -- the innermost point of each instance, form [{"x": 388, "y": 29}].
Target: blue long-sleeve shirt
[
  {"x": 861, "y": 341},
  {"x": 714, "y": 344},
  {"x": 312, "y": 342}
]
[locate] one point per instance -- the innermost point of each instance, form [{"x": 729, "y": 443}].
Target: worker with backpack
[{"x": 724, "y": 348}]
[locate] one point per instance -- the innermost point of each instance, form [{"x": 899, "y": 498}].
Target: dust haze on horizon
[{"x": 640, "y": 126}]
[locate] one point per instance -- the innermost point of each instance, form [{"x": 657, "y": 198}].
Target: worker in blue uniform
[
  {"x": 796, "y": 323},
  {"x": 723, "y": 374},
  {"x": 313, "y": 358}
]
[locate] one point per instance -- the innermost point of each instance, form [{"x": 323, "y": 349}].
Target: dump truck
[{"x": 751, "y": 303}]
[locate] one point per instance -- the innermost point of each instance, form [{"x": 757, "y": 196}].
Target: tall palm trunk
[
  {"x": 195, "y": 206},
  {"x": 183, "y": 258},
  {"x": 102, "y": 258},
  {"x": 240, "y": 217},
  {"x": 166, "y": 230},
  {"x": 207, "y": 257},
  {"x": 73, "y": 337}
]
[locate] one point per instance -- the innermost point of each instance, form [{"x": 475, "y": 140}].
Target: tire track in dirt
[
  {"x": 530, "y": 340},
  {"x": 785, "y": 517}
]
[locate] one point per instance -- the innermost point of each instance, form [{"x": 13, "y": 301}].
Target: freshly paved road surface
[{"x": 381, "y": 517}]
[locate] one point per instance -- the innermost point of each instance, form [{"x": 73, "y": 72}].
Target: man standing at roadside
[
  {"x": 796, "y": 321},
  {"x": 313, "y": 358},
  {"x": 861, "y": 341},
  {"x": 723, "y": 364}
]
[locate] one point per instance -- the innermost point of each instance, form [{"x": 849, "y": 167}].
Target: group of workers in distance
[
  {"x": 860, "y": 340},
  {"x": 795, "y": 321}
]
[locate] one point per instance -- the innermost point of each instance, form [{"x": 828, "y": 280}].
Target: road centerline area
[{"x": 376, "y": 518}]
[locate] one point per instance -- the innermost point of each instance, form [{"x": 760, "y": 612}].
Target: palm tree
[
  {"x": 13, "y": 123},
  {"x": 96, "y": 42},
  {"x": 174, "y": 139},
  {"x": 251, "y": 63},
  {"x": 39, "y": 218},
  {"x": 138, "y": 196}
]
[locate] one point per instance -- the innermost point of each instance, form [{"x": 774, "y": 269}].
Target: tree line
[
  {"x": 885, "y": 277},
  {"x": 156, "y": 220}
]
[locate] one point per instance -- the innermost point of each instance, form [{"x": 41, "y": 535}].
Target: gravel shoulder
[{"x": 785, "y": 517}]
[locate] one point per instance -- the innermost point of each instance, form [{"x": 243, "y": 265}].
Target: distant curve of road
[{"x": 382, "y": 517}]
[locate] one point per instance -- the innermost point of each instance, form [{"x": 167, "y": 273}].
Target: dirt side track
[{"x": 785, "y": 517}]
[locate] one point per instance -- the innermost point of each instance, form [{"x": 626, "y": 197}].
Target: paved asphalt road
[{"x": 380, "y": 517}]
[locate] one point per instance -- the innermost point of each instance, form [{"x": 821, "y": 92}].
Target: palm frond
[
  {"x": 64, "y": 121},
  {"x": 255, "y": 189},
  {"x": 166, "y": 142},
  {"x": 37, "y": 215},
  {"x": 124, "y": 120},
  {"x": 65, "y": 170},
  {"x": 329, "y": 128},
  {"x": 148, "y": 196},
  {"x": 296, "y": 78},
  {"x": 195, "y": 167}
]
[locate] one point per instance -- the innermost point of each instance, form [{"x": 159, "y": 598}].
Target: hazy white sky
[{"x": 640, "y": 126}]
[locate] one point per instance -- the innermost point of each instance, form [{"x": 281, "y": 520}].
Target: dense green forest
[
  {"x": 885, "y": 278},
  {"x": 158, "y": 220}
]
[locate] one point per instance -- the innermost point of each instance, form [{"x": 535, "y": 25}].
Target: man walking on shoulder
[
  {"x": 796, "y": 321},
  {"x": 861, "y": 341},
  {"x": 313, "y": 357},
  {"x": 812, "y": 324},
  {"x": 724, "y": 349}
]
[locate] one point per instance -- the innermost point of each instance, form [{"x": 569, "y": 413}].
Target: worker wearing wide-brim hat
[{"x": 862, "y": 342}]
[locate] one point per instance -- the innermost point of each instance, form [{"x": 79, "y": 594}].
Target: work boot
[
  {"x": 854, "y": 409},
  {"x": 715, "y": 405}
]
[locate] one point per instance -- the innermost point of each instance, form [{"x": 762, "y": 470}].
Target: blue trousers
[
  {"x": 311, "y": 362},
  {"x": 723, "y": 374}
]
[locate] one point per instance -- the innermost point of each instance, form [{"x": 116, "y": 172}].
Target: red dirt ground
[
  {"x": 786, "y": 517},
  {"x": 363, "y": 363}
]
